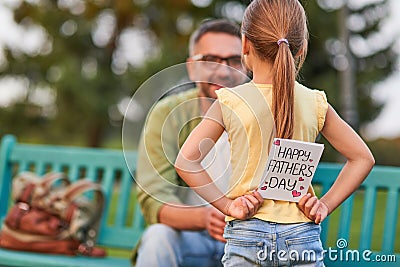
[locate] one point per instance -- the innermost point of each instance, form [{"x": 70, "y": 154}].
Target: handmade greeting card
[{"x": 290, "y": 168}]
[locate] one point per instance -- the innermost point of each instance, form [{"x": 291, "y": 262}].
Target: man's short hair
[{"x": 213, "y": 25}]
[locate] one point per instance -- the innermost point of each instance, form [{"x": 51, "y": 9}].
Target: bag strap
[
  {"x": 52, "y": 177},
  {"x": 80, "y": 187},
  {"x": 73, "y": 191},
  {"x": 22, "y": 236},
  {"x": 26, "y": 193},
  {"x": 44, "y": 183}
]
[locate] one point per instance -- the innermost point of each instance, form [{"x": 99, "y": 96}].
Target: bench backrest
[
  {"x": 122, "y": 223},
  {"x": 370, "y": 214}
]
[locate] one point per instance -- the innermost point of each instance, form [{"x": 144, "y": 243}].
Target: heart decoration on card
[{"x": 296, "y": 193}]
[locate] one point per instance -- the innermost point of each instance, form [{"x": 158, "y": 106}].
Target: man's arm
[
  {"x": 194, "y": 218},
  {"x": 158, "y": 181},
  {"x": 183, "y": 218}
]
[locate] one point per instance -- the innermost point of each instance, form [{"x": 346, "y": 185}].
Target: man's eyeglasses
[{"x": 232, "y": 61}]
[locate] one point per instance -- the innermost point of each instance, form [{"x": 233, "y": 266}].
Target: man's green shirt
[{"x": 166, "y": 129}]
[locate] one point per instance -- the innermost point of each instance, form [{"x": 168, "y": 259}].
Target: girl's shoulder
[
  {"x": 312, "y": 100},
  {"x": 230, "y": 93},
  {"x": 237, "y": 89},
  {"x": 304, "y": 89},
  {"x": 303, "y": 92}
]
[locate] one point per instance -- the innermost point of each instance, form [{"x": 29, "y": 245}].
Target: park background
[{"x": 68, "y": 68}]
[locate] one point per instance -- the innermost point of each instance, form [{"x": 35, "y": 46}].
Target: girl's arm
[
  {"x": 358, "y": 165},
  {"x": 188, "y": 167}
]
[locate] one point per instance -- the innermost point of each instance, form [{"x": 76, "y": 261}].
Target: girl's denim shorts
[{"x": 259, "y": 243}]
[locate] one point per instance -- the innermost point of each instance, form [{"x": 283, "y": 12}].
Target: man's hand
[
  {"x": 313, "y": 208},
  {"x": 215, "y": 223}
]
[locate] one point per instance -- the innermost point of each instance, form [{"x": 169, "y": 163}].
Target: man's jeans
[
  {"x": 259, "y": 243},
  {"x": 162, "y": 246}
]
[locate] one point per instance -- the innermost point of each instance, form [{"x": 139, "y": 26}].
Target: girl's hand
[
  {"x": 246, "y": 206},
  {"x": 313, "y": 208}
]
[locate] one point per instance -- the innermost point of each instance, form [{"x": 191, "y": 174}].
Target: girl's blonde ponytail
[
  {"x": 284, "y": 70},
  {"x": 277, "y": 30}
]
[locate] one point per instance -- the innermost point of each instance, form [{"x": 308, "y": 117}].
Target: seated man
[{"x": 182, "y": 231}]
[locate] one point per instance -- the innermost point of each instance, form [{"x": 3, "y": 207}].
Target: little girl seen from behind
[{"x": 268, "y": 232}]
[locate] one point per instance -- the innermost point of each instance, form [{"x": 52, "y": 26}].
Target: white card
[{"x": 290, "y": 168}]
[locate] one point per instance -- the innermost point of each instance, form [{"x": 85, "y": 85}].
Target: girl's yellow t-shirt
[{"x": 249, "y": 123}]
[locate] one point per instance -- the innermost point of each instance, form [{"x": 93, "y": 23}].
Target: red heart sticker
[
  {"x": 263, "y": 188},
  {"x": 301, "y": 179},
  {"x": 277, "y": 142},
  {"x": 296, "y": 193},
  {"x": 301, "y": 187}
]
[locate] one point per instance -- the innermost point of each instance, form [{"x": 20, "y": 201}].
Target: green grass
[{"x": 119, "y": 253}]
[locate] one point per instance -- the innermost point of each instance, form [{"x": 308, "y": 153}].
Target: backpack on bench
[{"x": 53, "y": 215}]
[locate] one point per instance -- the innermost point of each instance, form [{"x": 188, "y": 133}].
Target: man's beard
[{"x": 208, "y": 89}]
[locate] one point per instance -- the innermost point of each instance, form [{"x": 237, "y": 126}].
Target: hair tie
[{"x": 283, "y": 40}]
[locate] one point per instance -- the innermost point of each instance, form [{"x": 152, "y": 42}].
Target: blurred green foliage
[
  {"x": 81, "y": 61},
  {"x": 386, "y": 151}
]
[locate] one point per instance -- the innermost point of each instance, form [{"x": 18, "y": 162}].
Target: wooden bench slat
[
  {"x": 90, "y": 173},
  {"x": 7, "y": 144},
  {"x": 138, "y": 222},
  {"x": 346, "y": 210},
  {"x": 73, "y": 173},
  {"x": 23, "y": 166},
  {"x": 107, "y": 185},
  {"x": 16, "y": 258},
  {"x": 40, "y": 168},
  {"x": 392, "y": 205},
  {"x": 123, "y": 201},
  {"x": 368, "y": 218},
  {"x": 119, "y": 237}
]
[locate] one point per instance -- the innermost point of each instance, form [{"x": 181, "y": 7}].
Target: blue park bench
[
  {"x": 122, "y": 223},
  {"x": 120, "y": 227}
]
